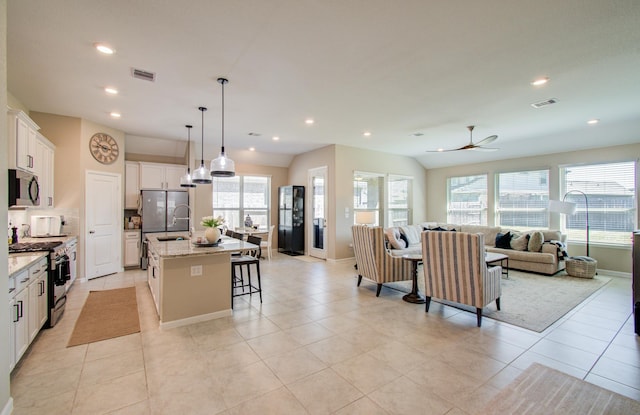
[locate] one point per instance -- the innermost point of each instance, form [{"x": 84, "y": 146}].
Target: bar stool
[{"x": 250, "y": 258}]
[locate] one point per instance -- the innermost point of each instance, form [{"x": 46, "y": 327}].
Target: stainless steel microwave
[{"x": 24, "y": 190}]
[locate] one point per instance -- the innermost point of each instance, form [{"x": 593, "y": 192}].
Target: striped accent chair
[
  {"x": 455, "y": 270},
  {"x": 373, "y": 261}
]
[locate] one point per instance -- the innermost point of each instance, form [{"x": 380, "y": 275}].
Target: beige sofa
[{"x": 546, "y": 261}]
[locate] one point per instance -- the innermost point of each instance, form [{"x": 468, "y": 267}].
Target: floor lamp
[{"x": 569, "y": 208}]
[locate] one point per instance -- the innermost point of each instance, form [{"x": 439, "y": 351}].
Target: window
[
  {"x": 398, "y": 212},
  {"x": 610, "y": 192},
  {"x": 467, "y": 200},
  {"x": 367, "y": 194},
  {"x": 236, "y": 197},
  {"x": 523, "y": 198}
]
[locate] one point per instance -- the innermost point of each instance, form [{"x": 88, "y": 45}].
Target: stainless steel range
[{"x": 59, "y": 273}]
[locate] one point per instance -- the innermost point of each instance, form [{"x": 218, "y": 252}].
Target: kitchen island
[{"x": 190, "y": 283}]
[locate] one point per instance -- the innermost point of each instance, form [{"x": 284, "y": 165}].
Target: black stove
[{"x": 34, "y": 246}]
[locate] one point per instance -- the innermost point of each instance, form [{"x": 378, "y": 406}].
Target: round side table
[{"x": 414, "y": 296}]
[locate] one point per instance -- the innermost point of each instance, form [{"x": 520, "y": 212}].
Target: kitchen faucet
[{"x": 188, "y": 218}]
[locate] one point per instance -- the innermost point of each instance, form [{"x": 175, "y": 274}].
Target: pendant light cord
[
  {"x": 202, "y": 110},
  {"x": 222, "y": 81},
  {"x": 189, "y": 149}
]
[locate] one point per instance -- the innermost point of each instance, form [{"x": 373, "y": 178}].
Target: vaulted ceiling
[{"x": 413, "y": 73}]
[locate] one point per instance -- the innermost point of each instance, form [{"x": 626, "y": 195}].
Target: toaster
[{"x": 46, "y": 226}]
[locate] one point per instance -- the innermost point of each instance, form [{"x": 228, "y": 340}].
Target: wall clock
[{"x": 104, "y": 148}]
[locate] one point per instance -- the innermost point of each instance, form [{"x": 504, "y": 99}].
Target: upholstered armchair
[
  {"x": 373, "y": 261},
  {"x": 455, "y": 270}
]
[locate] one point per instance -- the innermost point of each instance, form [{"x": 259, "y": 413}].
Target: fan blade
[
  {"x": 487, "y": 140},
  {"x": 442, "y": 151},
  {"x": 481, "y": 148}
]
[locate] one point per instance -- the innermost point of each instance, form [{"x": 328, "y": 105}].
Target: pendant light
[
  {"x": 223, "y": 166},
  {"x": 201, "y": 175},
  {"x": 186, "y": 181}
]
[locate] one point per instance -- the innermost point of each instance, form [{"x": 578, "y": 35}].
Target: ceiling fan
[{"x": 479, "y": 146}]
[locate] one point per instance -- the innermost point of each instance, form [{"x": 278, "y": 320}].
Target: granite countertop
[
  {"x": 19, "y": 261},
  {"x": 168, "y": 249},
  {"x": 65, "y": 239}
]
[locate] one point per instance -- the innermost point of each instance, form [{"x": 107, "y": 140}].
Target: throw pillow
[
  {"x": 503, "y": 240},
  {"x": 403, "y": 237},
  {"x": 393, "y": 236},
  {"x": 412, "y": 233},
  {"x": 535, "y": 242},
  {"x": 520, "y": 242}
]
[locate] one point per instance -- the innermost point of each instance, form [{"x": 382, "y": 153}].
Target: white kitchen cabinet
[
  {"x": 44, "y": 169},
  {"x": 161, "y": 176},
  {"x": 73, "y": 262},
  {"x": 37, "y": 298},
  {"x": 22, "y": 141},
  {"x": 131, "y": 248},
  {"x": 153, "y": 277},
  {"x": 20, "y": 315},
  {"x": 131, "y": 184},
  {"x": 13, "y": 316}
]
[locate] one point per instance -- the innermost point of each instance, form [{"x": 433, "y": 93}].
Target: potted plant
[{"x": 212, "y": 232}]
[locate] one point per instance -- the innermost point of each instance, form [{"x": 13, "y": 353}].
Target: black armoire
[{"x": 291, "y": 220}]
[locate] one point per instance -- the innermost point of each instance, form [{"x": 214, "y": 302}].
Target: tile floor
[{"x": 318, "y": 345}]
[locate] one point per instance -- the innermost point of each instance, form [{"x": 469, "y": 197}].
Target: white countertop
[
  {"x": 19, "y": 261},
  {"x": 65, "y": 239},
  {"x": 167, "y": 249}
]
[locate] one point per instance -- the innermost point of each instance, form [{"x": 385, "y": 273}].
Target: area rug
[
  {"x": 106, "y": 314},
  {"x": 528, "y": 300},
  {"x": 544, "y": 391}
]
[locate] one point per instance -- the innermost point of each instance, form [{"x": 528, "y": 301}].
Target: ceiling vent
[
  {"x": 144, "y": 75},
  {"x": 544, "y": 103}
]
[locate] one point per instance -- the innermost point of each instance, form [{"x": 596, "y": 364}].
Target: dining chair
[
  {"x": 249, "y": 258},
  {"x": 267, "y": 244}
]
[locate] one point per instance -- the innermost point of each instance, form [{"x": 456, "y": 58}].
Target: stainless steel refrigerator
[{"x": 157, "y": 208}]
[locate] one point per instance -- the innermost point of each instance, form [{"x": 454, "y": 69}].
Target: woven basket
[{"x": 582, "y": 268}]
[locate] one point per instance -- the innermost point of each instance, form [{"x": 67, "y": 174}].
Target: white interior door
[
  {"x": 317, "y": 228},
  {"x": 103, "y": 242}
]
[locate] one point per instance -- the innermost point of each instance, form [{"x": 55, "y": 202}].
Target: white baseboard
[
  {"x": 196, "y": 319},
  {"x": 338, "y": 261},
  {"x": 8, "y": 408},
  {"x": 610, "y": 273}
]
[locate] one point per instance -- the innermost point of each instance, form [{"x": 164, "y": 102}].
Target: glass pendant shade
[
  {"x": 223, "y": 166},
  {"x": 201, "y": 175},
  {"x": 185, "y": 181}
]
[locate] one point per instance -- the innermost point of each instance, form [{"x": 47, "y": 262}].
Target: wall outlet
[{"x": 196, "y": 270}]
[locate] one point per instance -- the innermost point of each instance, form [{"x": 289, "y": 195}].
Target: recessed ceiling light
[
  {"x": 594, "y": 121},
  {"x": 309, "y": 121},
  {"x": 252, "y": 149},
  {"x": 441, "y": 149},
  {"x": 275, "y": 138},
  {"x": 102, "y": 48},
  {"x": 417, "y": 134},
  {"x": 540, "y": 81},
  {"x": 115, "y": 115},
  {"x": 367, "y": 134},
  {"x": 110, "y": 90}
]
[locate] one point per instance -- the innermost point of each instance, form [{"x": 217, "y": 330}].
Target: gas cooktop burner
[{"x": 34, "y": 246}]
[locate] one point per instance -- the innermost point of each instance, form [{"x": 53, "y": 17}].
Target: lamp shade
[
  {"x": 560, "y": 206},
  {"x": 223, "y": 166},
  {"x": 365, "y": 218}
]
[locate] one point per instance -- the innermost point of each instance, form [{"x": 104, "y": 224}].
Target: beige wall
[
  {"x": 5, "y": 403},
  {"x": 609, "y": 258},
  {"x": 150, "y": 158},
  {"x": 342, "y": 161},
  {"x": 72, "y": 160}
]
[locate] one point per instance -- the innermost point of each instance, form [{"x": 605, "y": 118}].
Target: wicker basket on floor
[{"x": 582, "y": 267}]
